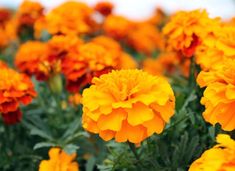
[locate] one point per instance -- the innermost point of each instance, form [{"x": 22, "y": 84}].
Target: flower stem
[{"x": 133, "y": 149}]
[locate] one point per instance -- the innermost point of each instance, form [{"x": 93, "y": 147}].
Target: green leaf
[
  {"x": 43, "y": 144},
  {"x": 90, "y": 164},
  {"x": 70, "y": 148},
  {"x": 41, "y": 134}
]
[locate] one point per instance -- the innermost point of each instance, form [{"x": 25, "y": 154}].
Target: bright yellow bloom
[
  {"x": 219, "y": 95},
  {"x": 186, "y": 30},
  {"x": 59, "y": 161},
  {"x": 128, "y": 105},
  {"x": 219, "y": 158}
]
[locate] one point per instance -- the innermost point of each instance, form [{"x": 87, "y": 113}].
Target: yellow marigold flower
[
  {"x": 117, "y": 27},
  {"x": 30, "y": 58},
  {"x": 69, "y": 18},
  {"x": 91, "y": 60},
  {"x": 59, "y": 161},
  {"x": 29, "y": 12},
  {"x": 15, "y": 89},
  {"x": 145, "y": 38},
  {"x": 221, "y": 157},
  {"x": 186, "y": 30},
  {"x": 219, "y": 95},
  {"x": 128, "y": 105},
  {"x": 104, "y": 8}
]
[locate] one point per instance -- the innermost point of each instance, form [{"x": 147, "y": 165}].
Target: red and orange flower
[{"x": 15, "y": 89}]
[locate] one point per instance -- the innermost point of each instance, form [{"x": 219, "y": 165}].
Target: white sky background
[{"x": 140, "y": 9}]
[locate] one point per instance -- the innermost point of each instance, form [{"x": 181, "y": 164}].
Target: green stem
[
  {"x": 192, "y": 79},
  {"x": 133, "y": 149}
]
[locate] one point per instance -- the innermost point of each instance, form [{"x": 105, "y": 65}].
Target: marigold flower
[
  {"x": 221, "y": 157},
  {"x": 219, "y": 95},
  {"x": 69, "y": 18},
  {"x": 31, "y": 58},
  {"x": 91, "y": 60},
  {"x": 167, "y": 63},
  {"x": 5, "y": 15},
  {"x": 29, "y": 12},
  {"x": 104, "y": 8},
  {"x": 128, "y": 105},
  {"x": 117, "y": 27},
  {"x": 75, "y": 99},
  {"x": 59, "y": 160},
  {"x": 109, "y": 44},
  {"x": 126, "y": 61},
  {"x": 15, "y": 89},
  {"x": 186, "y": 30},
  {"x": 216, "y": 47},
  {"x": 123, "y": 60},
  {"x": 145, "y": 38}
]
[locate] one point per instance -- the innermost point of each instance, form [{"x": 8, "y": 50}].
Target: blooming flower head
[
  {"x": 219, "y": 95},
  {"x": 186, "y": 30},
  {"x": 91, "y": 60},
  {"x": 29, "y": 12},
  {"x": 123, "y": 60},
  {"x": 221, "y": 157},
  {"x": 117, "y": 27},
  {"x": 31, "y": 58},
  {"x": 128, "y": 105},
  {"x": 145, "y": 38},
  {"x": 15, "y": 89},
  {"x": 59, "y": 161},
  {"x": 104, "y": 8},
  {"x": 69, "y": 18},
  {"x": 216, "y": 47}
]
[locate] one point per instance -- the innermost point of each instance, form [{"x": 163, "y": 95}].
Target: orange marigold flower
[
  {"x": 221, "y": 157},
  {"x": 104, "y": 8},
  {"x": 126, "y": 61},
  {"x": 186, "y": 30},
  {"x": 75, "y": 99},
  {"x": 29, "y": 12},
  {"x": 167, "y": 63},
  {"x": 123, "y": 60},
  {"x": 145, "y": 38},
  {"x": 15, "y": 89},
  {"x": 117, "y": 27},
  {"x": 69, "y": 18},
  {"x": 128, "y": 105},
  {"x": 59, "y": 160},
  {"x": 109, "y": 44},
  {"x": 216, "y": 47},
  {"x": 91, "y": 60},
  {"x": 219, "y": 95},
  {"x": 31, "y": 58}
]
